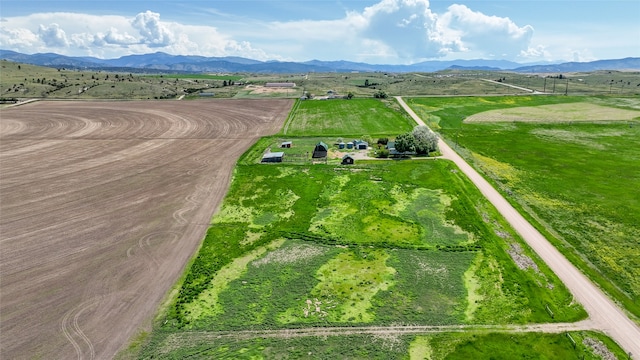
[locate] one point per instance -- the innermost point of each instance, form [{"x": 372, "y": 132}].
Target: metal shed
[
  {"x": 272, "y": 157},
  {"x": 348, "y": 160}
]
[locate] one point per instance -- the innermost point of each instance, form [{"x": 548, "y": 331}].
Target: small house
[
  {"x": 341, "y": 145},
  {"x": 272, "y": 157},
  {"x": 391, "y": 146},
  {"x": 348, "y": 160},
  {"x": 286, "y": 144},
  {"x": 320, "y": 150},
  {"x": 349, "y": 145}
]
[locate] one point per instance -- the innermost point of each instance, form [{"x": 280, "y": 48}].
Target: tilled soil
[{"x": 101, "y": 206}]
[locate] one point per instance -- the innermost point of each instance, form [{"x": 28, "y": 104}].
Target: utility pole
[
  {"x": 566, "y": 89},
  {"x": 544, "y": 89}
]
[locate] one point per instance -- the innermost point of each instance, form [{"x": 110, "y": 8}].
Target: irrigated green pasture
[
  {"x": 576, "y": 179},
  {"x": 480, "y": 345},
  {"x": 378, "y": 244},
  {"x": 341, "y": 117}
]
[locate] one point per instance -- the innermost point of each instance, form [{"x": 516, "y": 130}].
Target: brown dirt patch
[
  {"x": 102, "y": 205},
  {"x": 262, "y": 90}
]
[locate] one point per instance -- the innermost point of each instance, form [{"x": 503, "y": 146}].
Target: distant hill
[
  {"x": 163, "y": 62},
  {"x": 617, "y": 64}
]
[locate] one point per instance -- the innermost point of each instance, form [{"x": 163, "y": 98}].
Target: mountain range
[{"x": 163, "y": 62}]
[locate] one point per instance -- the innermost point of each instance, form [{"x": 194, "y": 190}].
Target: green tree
[
  {"x": 380, "y": 95},
  {"x": 425, "y": 140},
  {"x": 349, "y": 95},
  {"x": 405, "y": 143}
]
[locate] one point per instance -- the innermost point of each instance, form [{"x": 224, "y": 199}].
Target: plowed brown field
[{"x": 101, "y": 206}]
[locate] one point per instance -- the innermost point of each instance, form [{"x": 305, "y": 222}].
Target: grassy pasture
[
  {"x": 437, "y": 346},
  {"x": 589, "y": 83},
  {"x": 575, "y": 179},
  {"x": 27, "y": 81},
  {"x": 227, "y": 77},
  {"x": 584, "y": 112},
  {"x": 294, "y": 246},
  {"x": 340, "y": 117}
]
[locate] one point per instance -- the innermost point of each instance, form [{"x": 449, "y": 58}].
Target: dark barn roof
[{"x": 320, "y": 150}]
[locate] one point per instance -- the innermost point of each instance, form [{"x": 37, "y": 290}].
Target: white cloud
[
  {"x": 399, "y": 31},
  {"x": 18, "y": 38},
  {"x": 494, "y": 36},
  {"x": 53, "y": 35},
  {"x": 390, "y": 31},
  {"x": 114, "y": 36},
  {"x": 153, "y": 32}
]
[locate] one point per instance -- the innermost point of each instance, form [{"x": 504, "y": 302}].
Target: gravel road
[{"x": 603, "y": 312}]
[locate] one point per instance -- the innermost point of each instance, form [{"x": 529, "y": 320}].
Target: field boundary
[{"x": 197, "y": 336}]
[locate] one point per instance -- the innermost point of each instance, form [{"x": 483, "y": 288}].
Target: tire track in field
[
  {"x": 201, "y": 191},
  {"x": 71, "y": 329},
  {"x": 190, "y": 338},
  {"x": 145, "y": 242},
  {"x": 87, "y": 212}
]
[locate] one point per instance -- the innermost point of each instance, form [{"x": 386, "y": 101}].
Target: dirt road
[
  {"x": 101, "y": 206},
  {"x": 192, "y": 337},
  {"x": 604, "y": 313}
]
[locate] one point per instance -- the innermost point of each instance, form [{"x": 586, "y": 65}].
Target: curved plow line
[{"x": 69, "y": 326}]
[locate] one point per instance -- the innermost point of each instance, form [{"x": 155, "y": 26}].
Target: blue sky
[{"x": 373, "y": 31}]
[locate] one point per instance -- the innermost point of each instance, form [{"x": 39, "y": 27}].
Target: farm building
[
  {"x": 320, "y": 150},
  {"x": 286, "y": 144},
  {"x": 348, "y": 160},
  {"x": 280, "y": 84},
  {"x": 272, "y": 157},
  {"x": 360, "y": 145}
]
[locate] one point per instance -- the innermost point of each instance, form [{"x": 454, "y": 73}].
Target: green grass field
[
  {"x": 480, "y": 345},
  {"x": 340, "y": 117},
  {"x": 233, "y": 77},
  {"x": 324, "y": 245},
  {"x": 575, "y": 178}
]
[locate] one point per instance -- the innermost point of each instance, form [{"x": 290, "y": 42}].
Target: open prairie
[{"x": 102, "y": 205}]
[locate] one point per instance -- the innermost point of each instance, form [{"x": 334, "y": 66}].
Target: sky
[{"x": 371, "y": 31}]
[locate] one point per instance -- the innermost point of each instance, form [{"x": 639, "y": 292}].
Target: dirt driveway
[{"x": 101, "y": 206}]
